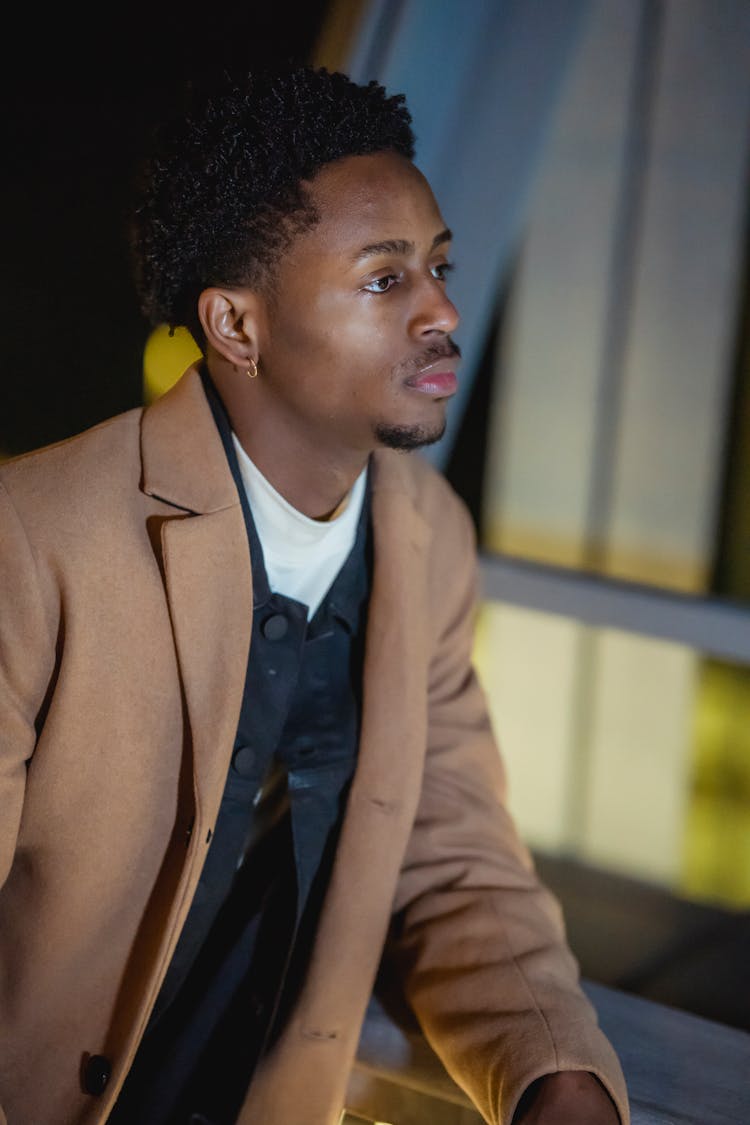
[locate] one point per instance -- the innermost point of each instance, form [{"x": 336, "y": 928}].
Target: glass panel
[
  {"x": 610, "y": 417},
  {"x": 628, "y": 753}
]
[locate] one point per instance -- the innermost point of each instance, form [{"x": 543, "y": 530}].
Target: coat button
[
  {"x": 96, "y": 1074},
  {"x": 244, "y": 760},
  {"x": 275, "y": 627}
]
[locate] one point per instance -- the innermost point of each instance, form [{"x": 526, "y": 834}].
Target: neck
[
  {"x": 311, "y": 483},
  {"x": 312, "y": 475}
]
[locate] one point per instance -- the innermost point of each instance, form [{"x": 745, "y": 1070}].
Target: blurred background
[{"x": 592, "y": 158}]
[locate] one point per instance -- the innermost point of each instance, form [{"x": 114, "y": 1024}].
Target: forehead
[{"x": 373, "y": 198}]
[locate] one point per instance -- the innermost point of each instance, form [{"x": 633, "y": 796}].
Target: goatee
[{"x": 407, "y": 438}]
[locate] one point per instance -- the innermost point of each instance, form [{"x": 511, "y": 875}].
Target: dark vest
[{"x": 242, "y": 954}]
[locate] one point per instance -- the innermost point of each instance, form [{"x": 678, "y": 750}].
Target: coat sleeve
[
  {"x": 479, "y": 942},
  {"x": 27, "y": 655}
]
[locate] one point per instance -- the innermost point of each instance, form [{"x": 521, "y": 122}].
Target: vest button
[
  {"x": 275, "y": 627},
  {"x": 96, "y": 1074},
  {"x": 244, "y": 761}
]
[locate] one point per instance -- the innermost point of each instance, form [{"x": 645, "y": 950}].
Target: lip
[{"x": 438, "y": 379}]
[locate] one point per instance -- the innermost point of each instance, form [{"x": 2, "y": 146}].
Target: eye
[
  {"x": 441, "y": 270},
  {"x": 381, "y": 284}
]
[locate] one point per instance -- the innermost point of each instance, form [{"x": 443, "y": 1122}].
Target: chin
[{"x": 408, "y": 437}]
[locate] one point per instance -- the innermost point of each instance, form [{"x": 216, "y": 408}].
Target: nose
[{"x": 433, "y": 312}]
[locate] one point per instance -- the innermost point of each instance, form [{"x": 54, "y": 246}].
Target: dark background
[{"x": 80, "y": 100}]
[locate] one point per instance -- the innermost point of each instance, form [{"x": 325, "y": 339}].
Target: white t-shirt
[{"x": 302, "y": 555}]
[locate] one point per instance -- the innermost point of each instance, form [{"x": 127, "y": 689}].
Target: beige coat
[{"x": 124, "y": 629}]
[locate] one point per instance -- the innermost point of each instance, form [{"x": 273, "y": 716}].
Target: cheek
[
  {"x": 364, "y": 333},
  {"x": 338, "y": 342}
]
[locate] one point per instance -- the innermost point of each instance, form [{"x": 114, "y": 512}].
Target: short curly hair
[{"x": 222, "y": 192}]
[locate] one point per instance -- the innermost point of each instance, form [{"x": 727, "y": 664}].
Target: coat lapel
[
  {"x": 210, "y": 600},
  {"x": 394, "y": 700},
  {"x": 207, "y": 573}
]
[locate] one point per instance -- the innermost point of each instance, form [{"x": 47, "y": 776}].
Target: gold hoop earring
[{"x": 252, "y": 371}]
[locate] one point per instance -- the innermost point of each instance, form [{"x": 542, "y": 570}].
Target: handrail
[
  {"x": 714, "y": 627},
  {"x": 678, "y": 1067}
]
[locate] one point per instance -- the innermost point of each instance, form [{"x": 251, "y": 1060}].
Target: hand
[{"x": 570, "y": 1097}]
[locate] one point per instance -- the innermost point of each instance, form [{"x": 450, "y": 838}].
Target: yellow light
[{"x": 165, "y": 359}]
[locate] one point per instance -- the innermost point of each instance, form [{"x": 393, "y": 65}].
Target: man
[{"x": 243, "y": 748}]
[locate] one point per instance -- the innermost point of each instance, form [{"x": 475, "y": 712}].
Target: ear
[{"x": 230, "y": 319}]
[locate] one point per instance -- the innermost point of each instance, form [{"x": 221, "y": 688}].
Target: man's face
[{"x": 356, "y": 350}]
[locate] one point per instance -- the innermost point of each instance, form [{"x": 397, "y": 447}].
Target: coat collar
[{"x": 181, "y": 452}]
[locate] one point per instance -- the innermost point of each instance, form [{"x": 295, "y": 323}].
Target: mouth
[{"x": 438, "y": 378}]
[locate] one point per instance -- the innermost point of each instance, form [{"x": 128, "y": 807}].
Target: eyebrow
[{"x": 398, "y": 246}]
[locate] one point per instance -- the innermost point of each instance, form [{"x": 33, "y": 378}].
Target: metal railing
[{"x": 714, "y": 627}]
